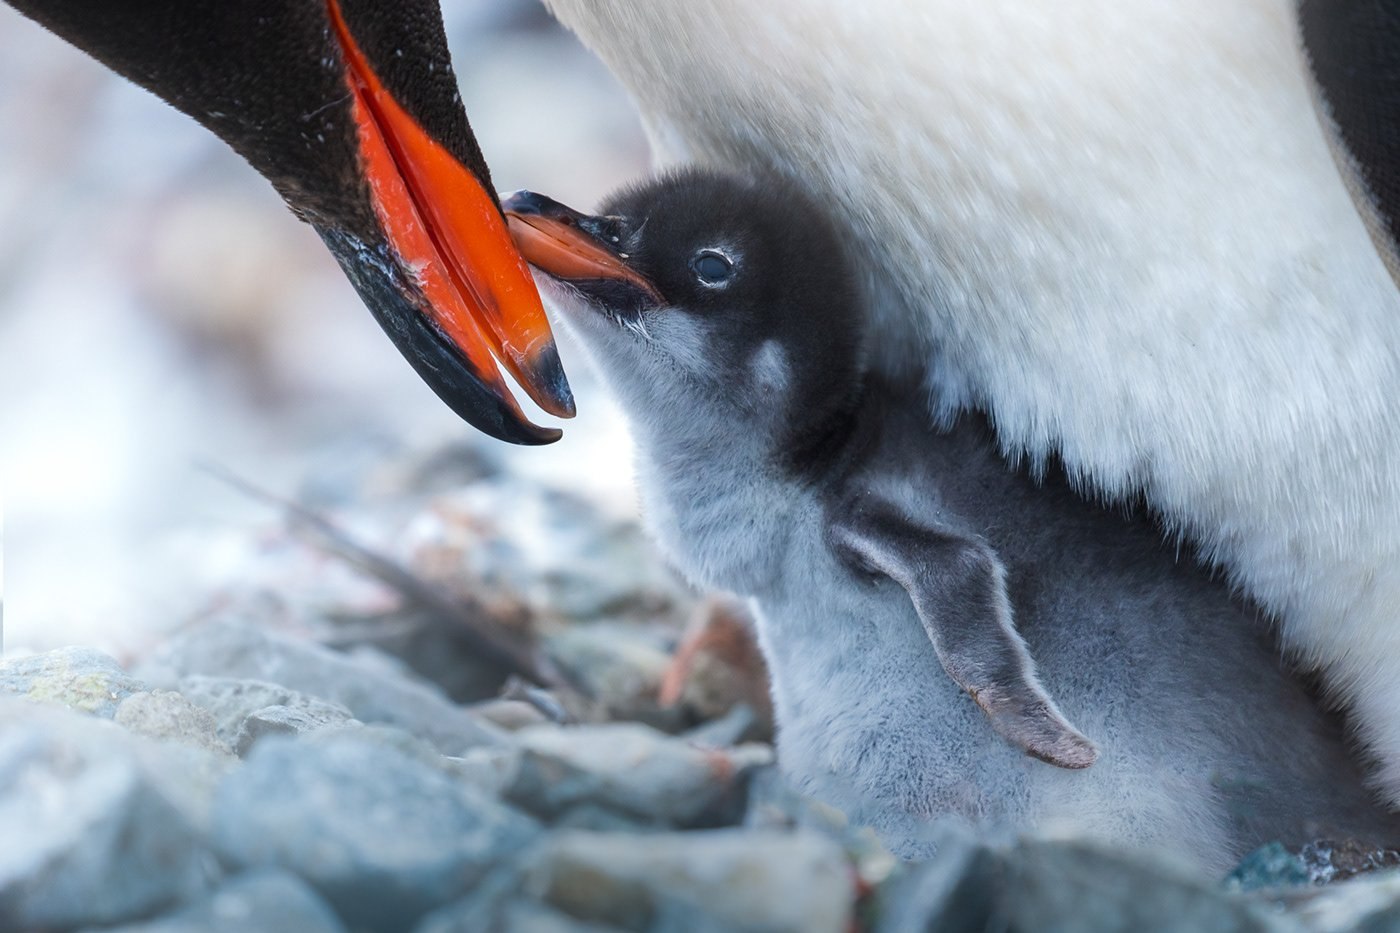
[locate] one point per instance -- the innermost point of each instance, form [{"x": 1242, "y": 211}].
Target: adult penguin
[
  {"x": 350, "y": 108},
  {"x": 1149, "y": 238}
]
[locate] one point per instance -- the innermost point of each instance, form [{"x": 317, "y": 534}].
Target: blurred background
[{"x": 160, "y": 310}]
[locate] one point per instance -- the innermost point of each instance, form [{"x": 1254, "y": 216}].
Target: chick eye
[{"x": 712, "y": 268}]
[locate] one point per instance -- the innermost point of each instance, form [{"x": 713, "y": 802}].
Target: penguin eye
[{"x": 712, "y": 267}]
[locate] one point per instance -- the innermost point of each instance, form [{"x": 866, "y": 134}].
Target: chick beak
[{"x": 567, "y": 244}]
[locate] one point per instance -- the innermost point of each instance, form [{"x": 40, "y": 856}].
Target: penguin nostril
[{"x": 607, "y": 229}]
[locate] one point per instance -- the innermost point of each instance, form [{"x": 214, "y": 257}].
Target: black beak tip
[
  {"x": 437, "y": 362},
  {"x": 529, "y": 204},
  {"x": 548, "y": 375}
]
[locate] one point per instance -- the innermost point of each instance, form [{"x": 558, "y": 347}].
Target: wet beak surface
[{"x": 450, "y": 238}]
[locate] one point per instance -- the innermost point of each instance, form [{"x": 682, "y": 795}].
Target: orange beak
[{"x": 448, "y": 234}]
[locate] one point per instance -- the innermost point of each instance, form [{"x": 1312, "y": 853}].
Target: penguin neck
[
  {"x": 715, "y": 499},
  {"x": 722, "y": 496}
]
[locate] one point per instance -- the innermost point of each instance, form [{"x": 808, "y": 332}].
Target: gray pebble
[
  {"x": 265, "y": 901},
  {"x": 630, "y": 769},
  {"x": 1369, "y": 904},
  {"x": 78, "y": 678},
  {"x": 383, "y": 836},
  {"x": 516, "y": 916},
  {"x": 162, "y": 714},
  {"x": 368, "y": 691},
  {"x": 90, "y": 834},
  {"x": 1269, "y": 866},
  {"x": 510, "y": 715},
  {"x": 231, "y": 701},
  {"x": 619, "y": 666},
  {"x": 1061, "y": 886},
  {"x": 724, "y": 879},
  {"x": 286, "y": 720}
]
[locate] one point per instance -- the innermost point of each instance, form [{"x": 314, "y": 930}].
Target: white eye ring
[{"x": 712, "y": 268}]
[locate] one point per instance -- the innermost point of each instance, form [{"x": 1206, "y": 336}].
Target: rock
[
  {"x": 391, "y": 738},
  {"x": 231, "y": 701},
  {"x": 78, "y": 678},
  {"x": 631, "y": 769},
  {"x": 705, "y": 880},
  {"x": 528, "y": 550},
  {"x": 163, "y": 714},
  {"x": 496, "y": 905},
  {"x": 1363, "y": 905},
  {"x": 287, "y": 720},
  {"x": 383, "y": 836},
  {"x": 229, "y": 649},
  {"x": 92, "y": 834},
  {"x": 739, "y": 724},
  {"x": 1269, "y": 866},
  {"x": 1084, "y": 887},
  {"x": 267, "y": 901},
  {"x": 774, "y": 804},
  {"x": 618, "y": 665},
  {"x": 510, "y": 715},
  {"x": 957, "y": 891},
  {"x": 1327, "y": 861},
  {"x": 1061, "y": 886},
  {"x": 516, "y": 916}
]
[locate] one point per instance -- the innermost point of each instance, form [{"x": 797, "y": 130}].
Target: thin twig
[{"x": 470, "y": 621}]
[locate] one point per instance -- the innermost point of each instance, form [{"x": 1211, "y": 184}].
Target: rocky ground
[{"x": 469, "y": 702}]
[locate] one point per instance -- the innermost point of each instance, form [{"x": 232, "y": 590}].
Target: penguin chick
[{"x": 903, "y": 576}]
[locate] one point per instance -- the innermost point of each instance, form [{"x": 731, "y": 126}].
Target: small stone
[
  {"x": 631, "y": 769},
  {"x": 1269, "y": 866},
  {"x": 774, "y": 804},
  {"x": 78, "y": 678},
  {"x": 382, "y": 836},
  {"x": 704, "y": 880},
  {"x": 231, "y": 701},
  {"x": 1327, "y": 861},
  {"x": 230, "y": 649},
  {"x": 514, "y": 544},
  {"x": 619, "y": 666},
  {"x": 517, "y": 916},
  {"x": 497, "y": 905},
  {"x": 91, "y": 834},
  {"x": 956, "y": 891},
  {"x": 1061, "y": 886},
  {"x": 287, "y": 720},
  {"x": 1081, "y": 887},
  {"x": 510, "y": 715},
  {"x": 739, "y": 724},
  {"x": 1369, "y": 904},
  {"x": 162, "y": 714},
  {"x": 266, "y": 901}
]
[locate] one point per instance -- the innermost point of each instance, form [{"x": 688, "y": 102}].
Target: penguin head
[{"x": 732, "y": 307}]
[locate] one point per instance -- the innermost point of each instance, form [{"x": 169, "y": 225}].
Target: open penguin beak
[
  {"x": 351, "y": 110},
  {"x": 465, "y": 296},
  {"x": 577, "y": 248}
]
